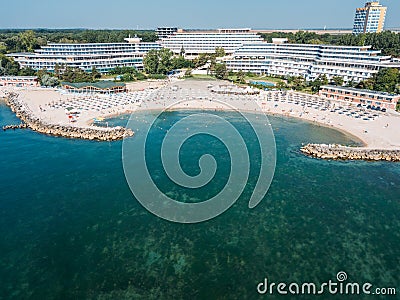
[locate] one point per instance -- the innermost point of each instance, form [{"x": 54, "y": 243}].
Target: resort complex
[
  {"x": 308, "y": 60},
  {"x": 244, "y": 49},
  {"x": 102, "y": 56}
]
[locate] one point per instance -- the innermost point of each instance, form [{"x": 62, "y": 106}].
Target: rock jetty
[
  {"x": 88, "y": 133},
  {"x": 13, "y": 127},
  {"x": 338, "y": 152}
]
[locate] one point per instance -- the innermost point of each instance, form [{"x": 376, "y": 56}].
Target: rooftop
[
  {"x": 358, "y": 90},
  {"x": 99, "y": 85}
]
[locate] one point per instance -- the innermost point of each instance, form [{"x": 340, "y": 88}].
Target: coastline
[
  {"x": 351, "y": 136},
  {"x": 355, "y": 138},
  {"x": 29, "y": 120},
  {"x": 377, "y": 134}
]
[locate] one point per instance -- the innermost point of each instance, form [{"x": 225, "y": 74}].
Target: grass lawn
[
  {"x": 307, "y": 90},
  {"x": 203, "y": 77},
  {"x": 263, "y": 78},
  {"x": 257, "y": 78},
  {"x": 108, "y": 77}
]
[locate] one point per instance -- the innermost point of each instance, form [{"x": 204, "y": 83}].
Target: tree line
[
  {"x": 8, "y": 67},
  {"x": 163, "y": 61}
]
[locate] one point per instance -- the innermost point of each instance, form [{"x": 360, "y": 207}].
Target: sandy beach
[
  {"x": 50, "y": 105},
  {"x": 380, "y": 133}
]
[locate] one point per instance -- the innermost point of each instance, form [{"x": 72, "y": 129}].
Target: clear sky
[{"x": 132, "y": 14}]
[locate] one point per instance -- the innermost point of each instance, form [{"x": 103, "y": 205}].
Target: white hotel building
[
  {"x": 245, "y": 51},
  {"x": 197, "y": 42},
  {"x": 102, "y": 56},
  {"x": 310, "y": 61}
]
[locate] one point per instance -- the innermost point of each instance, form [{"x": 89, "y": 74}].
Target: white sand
[
  {"x": 381, "y": 133},
  {"x": 375, "y": 134}
]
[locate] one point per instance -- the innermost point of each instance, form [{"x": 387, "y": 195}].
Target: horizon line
[{"x": 199, "y": 29}]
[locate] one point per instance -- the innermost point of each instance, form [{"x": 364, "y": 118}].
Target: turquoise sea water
[{"x": 70, "y": 227}]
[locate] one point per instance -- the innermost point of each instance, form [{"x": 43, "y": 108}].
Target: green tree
[
  {"x": 240, "y": 77},
  {"x": 57, "y": 70},
  {"x": 151, "y": 62},
  {"x": 338, "y": 80},
  {"x": 182, "y": 53},
  {"x": 95, "y": 74},
  {"x": 128, "y": 77},
  {"x": 48, "y": 80},
  {"x": 41, "y": 73},
  {"x": 162, "y": 61},
  {"x": 281, "y": 85},
  {"x": 220, "y": 71},
  {"x": 351, "y": 83},
  {"x": 28, "y": 40},
  {"x": 315, "y": 41},
  {"x": 165, "y": 65},
  {"x": 220, "y": 52},
  {"x": 188, "y": 72},
  {"x": 3, "y": 48},
  {"x": 318, "y": 82},
  {"x": 8, "y": 66},
  {"x": 180, "y": 62},
  {"x": 27, "y": 72},
  {"x": 76, "y": 75},
  {"x": 297, "y": 83},
  {"x": 201, "y": 60},
  {"x": 140, "y": 76},
  {"x": 386, "y": 80},
  {"x": 366, "y": 84}
]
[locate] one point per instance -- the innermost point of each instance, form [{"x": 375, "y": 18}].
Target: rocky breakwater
[
  {"x": 338, "y": 152},
  {"x": 13, "y": 127},
  {"x": 87, "y": 133}
]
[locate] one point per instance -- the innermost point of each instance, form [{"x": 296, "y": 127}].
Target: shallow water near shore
[{"x": 70, "y": 227}]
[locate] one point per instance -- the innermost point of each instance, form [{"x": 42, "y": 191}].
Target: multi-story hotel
[
  {"x": 363, "y": 97},
  {"x": 370, "y": 18},
  {"x": 102, "y": 56},
  {"x": 164, "y": 32},
  {"x": 197, "y": 42},
  {"x": 310, "y": 61}
]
